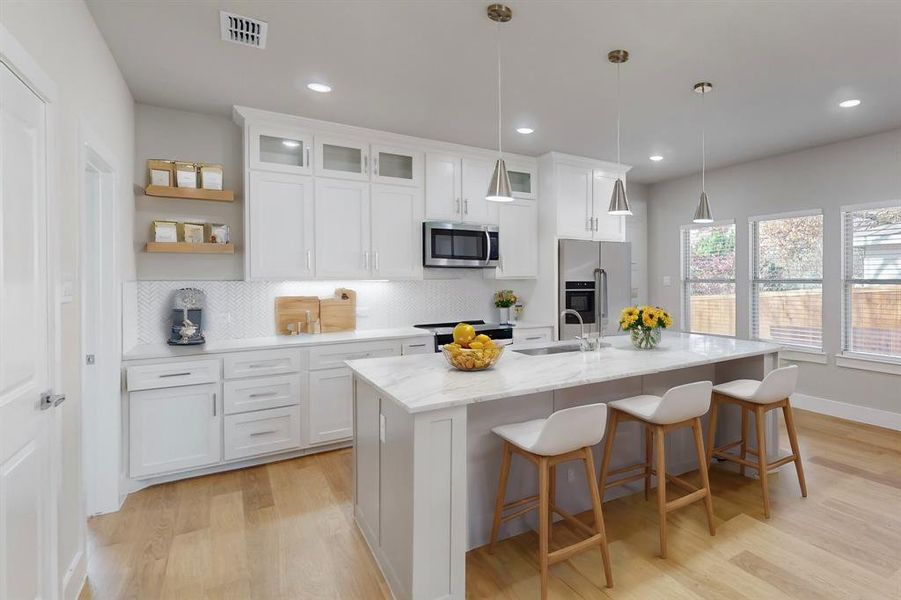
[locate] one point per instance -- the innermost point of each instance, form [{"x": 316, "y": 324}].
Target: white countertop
[
  {"x": 144, "y": 351},
  {"x": 426, "y": 382}
]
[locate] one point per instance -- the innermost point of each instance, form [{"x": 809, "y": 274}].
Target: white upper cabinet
[
  {"x": 342, "y": 157},
  {"x": 396, "y": 165},
  {"x": 396, "y": 226},
  {"x": 476, "y": 179},
  {"x": 443, "y": 187},
  {"x": 342, "y": 229},
  {"x": 607, "y": 227},
  {"x": 522, "y": 180},
  {"x": 574, "y": 207},
  {"x": 280, "y": 149},
  {"x": 279, "y": 214},
  {"x": 518, "y": 225}
]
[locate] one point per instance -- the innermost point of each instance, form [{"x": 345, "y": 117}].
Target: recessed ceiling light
[
  {"x": 525, "y": 130},
  {"x": 656, "y": 158},
  {"x": 319, "y": 87},
  {"x": 291, "y": 143},
  {"x": 849, "y": 103}
]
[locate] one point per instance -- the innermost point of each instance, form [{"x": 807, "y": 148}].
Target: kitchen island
[{"x": 426, "y": 463}]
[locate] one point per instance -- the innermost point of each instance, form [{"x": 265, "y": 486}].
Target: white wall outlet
[
  {"x": 383, "y": 426},
  {"x": 667, "y": 281}
]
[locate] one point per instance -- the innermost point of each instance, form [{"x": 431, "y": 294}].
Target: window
[
  {"x": 872, "y": 281},
  {"x": 708, "y": 279},
  {"x": 787, "y": 280}
]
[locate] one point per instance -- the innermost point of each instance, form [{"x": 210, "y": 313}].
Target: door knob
[{"x": 49, "y": 400}]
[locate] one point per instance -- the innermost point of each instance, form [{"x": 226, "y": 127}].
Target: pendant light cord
[
  {"x": 703, "y": 146},
  {"x": 618, "y": 116},
  {"x": 500, "y": 151}
]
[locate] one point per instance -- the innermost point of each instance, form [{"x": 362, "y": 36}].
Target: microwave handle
[{"x": 487, "y": 248}]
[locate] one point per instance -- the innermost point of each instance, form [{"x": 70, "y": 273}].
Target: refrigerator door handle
[{"x": 600, "y": 298}]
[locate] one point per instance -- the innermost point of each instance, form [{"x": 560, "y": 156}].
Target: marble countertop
[
  {"x": 145, "y": 351},
  {"x": 426, "y": 382}
]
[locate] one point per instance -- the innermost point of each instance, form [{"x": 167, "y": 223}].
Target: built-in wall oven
[{"x": 459, "y": 245}]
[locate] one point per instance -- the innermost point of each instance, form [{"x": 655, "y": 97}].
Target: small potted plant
[
  {"x": 644, "y": 324},
  {"x": 503, "y": 300}
]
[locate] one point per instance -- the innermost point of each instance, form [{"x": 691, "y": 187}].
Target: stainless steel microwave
[{"x": 459, "y": 245}]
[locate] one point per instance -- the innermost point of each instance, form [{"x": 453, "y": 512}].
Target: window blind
[
  {"x": 871, "y": 313},
  {"x": 708, "y": 279},
  {"x": 787, "y": 280}
]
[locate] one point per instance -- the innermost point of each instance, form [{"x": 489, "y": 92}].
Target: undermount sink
[{"x": 550, "y": 349}]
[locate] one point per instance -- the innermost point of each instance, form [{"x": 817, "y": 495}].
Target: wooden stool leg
[
  {"x": 793, "y": 439},
  {"x": 608, "y": 450},
  {"x": 543, "y": 512},
  {"x": 760, "y": 413},
  {"x": 659, "y": 439},
  {"x": 702, "y": 469},
  {"x": 648, "y": 459},
  {"x": 598, "y": 515},
  {"x": 501, "y": 493},
  {"x": 711, "y": 429},
  {"x": 744, "y": 438},
  {"x": 552, "y": 499}
]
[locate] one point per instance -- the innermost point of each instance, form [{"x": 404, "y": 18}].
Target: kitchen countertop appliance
[
  {"x": 595, "y": 280},
  {"x": 459, "y": 245},
  {"x": 444, "y": 332},
  {"x": 187, "y": 318}
]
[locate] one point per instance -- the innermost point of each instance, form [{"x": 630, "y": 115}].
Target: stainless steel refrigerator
[{"x": 595, "y": 280}]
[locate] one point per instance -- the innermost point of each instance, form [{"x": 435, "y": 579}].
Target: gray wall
[
  {"x": 179, "y": 135},
  {"x": 852, "y": 172}
]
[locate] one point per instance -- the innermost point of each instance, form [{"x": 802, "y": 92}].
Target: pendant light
[
  {"x": 619, "y": 203},
  {"x": 499, "y": 188},
  {"x": 702, "y": 212}
]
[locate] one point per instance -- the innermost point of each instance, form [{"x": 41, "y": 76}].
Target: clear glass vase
[{"x": 645, "y": 339}]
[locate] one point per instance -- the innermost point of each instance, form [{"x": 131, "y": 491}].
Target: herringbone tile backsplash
[{"x": 241, "y": 309}]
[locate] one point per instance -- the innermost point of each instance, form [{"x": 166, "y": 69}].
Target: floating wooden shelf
[
  {"x": 186, "y": 248},
  {"x": 190, "y": 193}
]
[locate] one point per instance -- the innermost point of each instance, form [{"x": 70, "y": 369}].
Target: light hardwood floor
[{"x": 285, "y": 530}]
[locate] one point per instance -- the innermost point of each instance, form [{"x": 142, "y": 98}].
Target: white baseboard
[
  {"x": 75, "y": 577},
  {"x": 850, "y": 412}
]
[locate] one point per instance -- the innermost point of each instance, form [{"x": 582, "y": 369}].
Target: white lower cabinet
[
  {"x": 174, "y": 429},
  {"x": 262, "y": 432},
  {"x": 331, "y": 406}
]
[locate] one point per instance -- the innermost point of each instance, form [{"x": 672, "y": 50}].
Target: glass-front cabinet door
[
  {"x": 342, "y": 157},
  {"x": 396, "y": 165},
  {"x": 522, "y": 181},
  {"x": 283, "y": 150}
]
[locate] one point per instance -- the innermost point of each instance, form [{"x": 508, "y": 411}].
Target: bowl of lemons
[{"x": 471, "y": 352}]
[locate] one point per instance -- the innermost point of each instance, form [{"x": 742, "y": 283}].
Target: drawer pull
[
  {"x": 357, "y": 356},
  {"x": 260, "y": 365},
  {"x": 174, "y": 374},
  {"x": 263, "y": 395},
  {"x": 416, "y": 345},
  {"x": 535, "y": 337},
  {"x": 256, "y": 433}
]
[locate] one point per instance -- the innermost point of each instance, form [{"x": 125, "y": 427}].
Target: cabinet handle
[
  {"x": 534, "y": 337},
  {"x": 309, "y": 260},
  {"x": 416, "y": 345},
  {"x": 256, "y": 433},
  {"x": 185, "y": 374},
  {"x": 306, "y": 160},
  {"x": 214, "y": 403},
  {"x": 366, "y": 261},
  {"x": 458, "y": 206},
  {"x": 375, "y": 166},
  {"x": 466, "y": 207},
  {"x": 588, "y": 224},
  {"x": 365, "y": 163},
  {"x": 377, "y": 261},
  {"x": 263, "y": 395}
]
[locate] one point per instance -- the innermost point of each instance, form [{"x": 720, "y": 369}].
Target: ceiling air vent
[{"x": 242, "y": 30}]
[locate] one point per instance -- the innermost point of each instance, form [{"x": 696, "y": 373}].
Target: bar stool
[
  {"x": 758, "y": 397},
  {"x": 679, "y": 407},
  {"x": 565, "y": 435}
]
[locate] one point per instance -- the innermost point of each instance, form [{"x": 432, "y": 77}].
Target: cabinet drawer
[
  {"x": 261, "y": 362},
  {"x": 327, "y": 357},
  {"x": 533, "y": 334},
  {"x": 418, "y": 346},
  {"x": 173, "y": 374},
  {"x": 246, "y": 395},
  {"x": 262, "y": 432}
]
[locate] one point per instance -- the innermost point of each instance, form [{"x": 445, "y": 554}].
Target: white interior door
[{"x": 27, "y": 485}]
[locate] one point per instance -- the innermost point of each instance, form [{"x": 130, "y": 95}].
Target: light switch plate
[
  {"x": 67, "y": 291},
  {"x": 667, "y": 281}
]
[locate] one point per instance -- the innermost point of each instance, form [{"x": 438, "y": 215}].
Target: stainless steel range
[{"x": 444, "y": 332}]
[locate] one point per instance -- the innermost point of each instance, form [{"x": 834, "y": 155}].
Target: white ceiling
[{"x": 427, "y": 68}]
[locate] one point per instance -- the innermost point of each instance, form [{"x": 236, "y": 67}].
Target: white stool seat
[
  {"x": 777, "y": 385},
  {"x": 678, "y": 404},
  {"x": 564, "y": 431}
]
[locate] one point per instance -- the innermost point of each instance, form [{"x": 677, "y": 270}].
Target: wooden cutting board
[
  {"x": 292, "y": 309},
  {"x": 339, "y": 313}
]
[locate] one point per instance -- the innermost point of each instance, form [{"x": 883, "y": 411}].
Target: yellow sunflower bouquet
[{"x": 644, "y": 324}]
